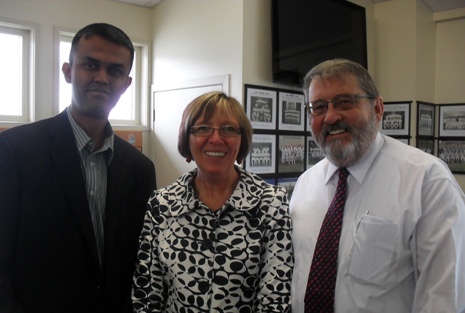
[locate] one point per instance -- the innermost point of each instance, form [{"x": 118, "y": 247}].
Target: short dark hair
[
  {"x": 337, "y": 68},
  {"x": 107, "y": 32},
  {"x": 205, "y": 106}
]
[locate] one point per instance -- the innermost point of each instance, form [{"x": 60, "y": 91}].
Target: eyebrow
[{"x": 91, "y": 59}]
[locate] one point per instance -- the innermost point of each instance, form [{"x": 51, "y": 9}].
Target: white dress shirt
[{"x": 402, "y": 246}]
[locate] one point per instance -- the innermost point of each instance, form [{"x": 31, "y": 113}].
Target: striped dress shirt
[{"x": 94, "y": 166}]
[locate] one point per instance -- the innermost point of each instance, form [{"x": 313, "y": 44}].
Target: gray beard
[{"x": 343, "y": 154}]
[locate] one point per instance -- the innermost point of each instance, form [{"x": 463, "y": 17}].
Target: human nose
[
  {"x": 215, "y": 135},
  {"x": 332, "y": 114},
  {"x": 101, "y": 76}
]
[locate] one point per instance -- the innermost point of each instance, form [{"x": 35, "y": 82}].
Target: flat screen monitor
[{"x": 308, "y": 32}]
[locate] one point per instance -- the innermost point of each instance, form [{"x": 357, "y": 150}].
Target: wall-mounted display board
[{"x": 279, "y": 152}]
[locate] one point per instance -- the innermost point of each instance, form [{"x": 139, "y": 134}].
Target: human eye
[
  {"x": 319, "y": 107},
  {"x": 90, "y": 66},
  {"x": 344, "y": 102},
  {"x": 230, "y": 131},
  {"x": 116, "y": 71},
  {"x": 201, "y": 130}
]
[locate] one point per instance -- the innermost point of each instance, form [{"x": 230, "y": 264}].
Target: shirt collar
[
  {"x": 245, "y": 197},
  {"x": 83, "y": 140},
  {"x": 361, "y": 167}
]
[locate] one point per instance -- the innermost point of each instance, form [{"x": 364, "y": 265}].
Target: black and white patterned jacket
[{"x": 237, "y": 259}]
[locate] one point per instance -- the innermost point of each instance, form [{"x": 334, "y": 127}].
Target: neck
[
  {"x": 94, "y": 127},
  {"x": 214, "y": 191}
]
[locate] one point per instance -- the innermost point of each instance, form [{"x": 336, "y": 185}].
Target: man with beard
[
  {"x": 72, "y": 194},
  {"x": 393, "y": 240}
]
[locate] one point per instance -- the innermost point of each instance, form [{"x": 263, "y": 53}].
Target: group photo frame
[
  {"x": 452, "y": 152},
  {"x": 426, "y": 144},
  {"x": 291, "y": 111},
  {"x": 262, "y": 156},
  {"x": 396, "y": 118},
  {"x": 426, "y": 119},
  {"x": 260, "y": 105},
  {"x": 291, "y": 154},
  {"x": 452, "y": 120}
]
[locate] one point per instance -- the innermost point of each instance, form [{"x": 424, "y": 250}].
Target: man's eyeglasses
[
  {"x": 340, "y": 103},
  {"x": 206, "y": 131}
]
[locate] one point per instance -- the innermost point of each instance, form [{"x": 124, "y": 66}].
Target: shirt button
[
  {"x": 203, "y": 286},
  {"x": 91, "y": 193},
  {"x": 98, "y": 290}
]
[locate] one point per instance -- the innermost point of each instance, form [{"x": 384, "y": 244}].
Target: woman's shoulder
[{"x": 257, "y": 187}]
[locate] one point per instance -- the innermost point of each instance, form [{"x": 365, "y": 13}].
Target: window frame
[
  {"x": 140, "y": 81},
  {"x": 28, "y": 32}
]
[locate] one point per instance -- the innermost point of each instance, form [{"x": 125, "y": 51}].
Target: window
[
  {"x": 132, "y": 106},
  {"x": 16, "y": 62}
]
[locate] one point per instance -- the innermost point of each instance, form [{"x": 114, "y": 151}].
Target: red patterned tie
[{"x": 319, "y": 297}]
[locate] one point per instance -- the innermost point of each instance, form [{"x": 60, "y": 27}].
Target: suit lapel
[{"x": 65, "y": 156}]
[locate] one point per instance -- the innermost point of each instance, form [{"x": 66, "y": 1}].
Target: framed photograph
[
  {"x": 309, "y": 125},
  {"x": 260, "y": 105},
  {"x": 452, "y": 120},
  {"x": 426, "y": 145},
  {"x": 425, "y": 119},
  {"x": 261, "y": 159},
  {"x": 291, "y": 111},
  {"x": 291, "y": 154},
  {"x": 396, "y": 118},
  {"x": 314, "y": 152},
  {"x": 452, "y": 151},
  {"x": 288, "y": 184}
]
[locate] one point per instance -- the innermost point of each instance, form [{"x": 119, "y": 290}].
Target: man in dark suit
[{"x": 72, "y": 194}]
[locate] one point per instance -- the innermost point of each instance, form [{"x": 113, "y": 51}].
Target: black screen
[{"x": 308, "y": 32}]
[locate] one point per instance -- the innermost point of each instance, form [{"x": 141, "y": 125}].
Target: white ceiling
[
  {"x": 142, "y": 3},
  {"x": 439, "y": 5},
  {"x": 434, "y": 5}
]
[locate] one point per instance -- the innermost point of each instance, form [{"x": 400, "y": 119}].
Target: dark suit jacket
[{"x": 48, "y": 253}]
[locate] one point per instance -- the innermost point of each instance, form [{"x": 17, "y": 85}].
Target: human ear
[{"x": 66, "y": 69}]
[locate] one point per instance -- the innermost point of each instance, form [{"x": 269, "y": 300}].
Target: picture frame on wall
[
  {"x": 425, "y": 118},
  {"x": 260, "y": 105},
  {"x": 291, "y": 111},
  {"x": 291, "y": 154},
  {"x": 452, "y": 152},
  {"x": 426, "y": 144},
  {"x": 452, "y": 120},
  {"x": 288, "y": 183},
  {"x": 262, "y": 156},
  {"x": 309, "y": 125},
  {"x": 314, "y": 152},
  {"x": 396, "y": 118}
]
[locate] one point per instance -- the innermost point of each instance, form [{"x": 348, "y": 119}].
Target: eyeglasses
[
  {"x": 206, "y": 131},
  {"x": 340, "y": 103}
]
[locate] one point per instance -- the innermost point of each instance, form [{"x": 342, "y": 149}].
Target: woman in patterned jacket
[{"x": 219, "y": 238}]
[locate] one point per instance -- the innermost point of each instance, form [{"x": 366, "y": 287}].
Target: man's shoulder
[
  {"x": 409, "y": 159},
  {"x": 129, "y": 151},
  {"x": 32, "y": 132}
]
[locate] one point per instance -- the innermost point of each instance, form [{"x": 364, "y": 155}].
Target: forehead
[
  {"x": 102, "y": 50},
  {"x": 221, "y": 114},
  {"x": 333, "y": 86}
]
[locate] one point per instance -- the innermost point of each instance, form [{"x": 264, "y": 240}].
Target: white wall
[{"x": 197, "y": 39}]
